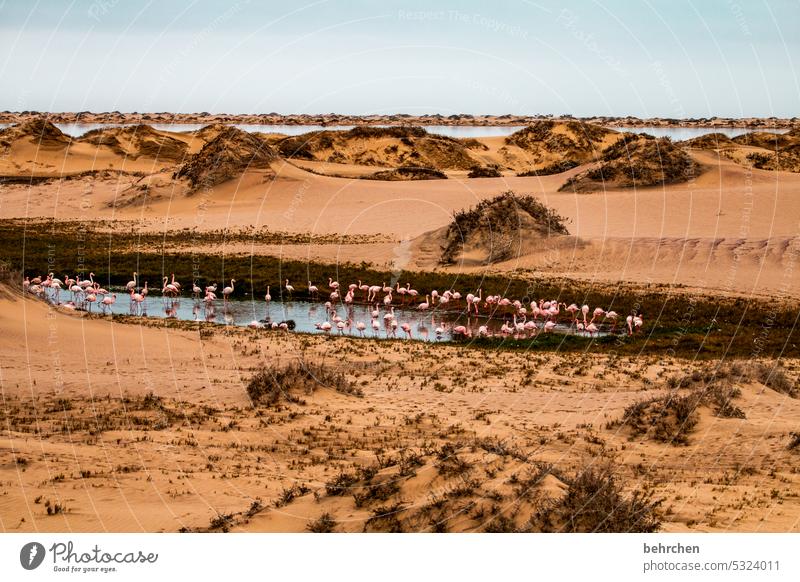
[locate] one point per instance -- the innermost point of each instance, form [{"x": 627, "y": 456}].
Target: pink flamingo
[
  {"x": 402, "y": 291},
  {"x": 425, "y": 305},
  {"x": 313, "y": 290},
  {"x": 132, "y": 284},
  {"x": 227, "y": 291},
  {"x": 473, "y": 300},
  {"x": 108, "y": 301}
]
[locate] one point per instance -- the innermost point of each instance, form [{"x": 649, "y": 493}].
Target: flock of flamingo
[{"x": 518, "y": 319}]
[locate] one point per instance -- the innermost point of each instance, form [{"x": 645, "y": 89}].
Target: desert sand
[{"x": 127, "y": 425}]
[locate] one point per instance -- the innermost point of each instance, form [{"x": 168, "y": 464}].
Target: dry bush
[
  {"x": 503, "y": 214},
  {"x": 595, "y": 502},
  {"x": 324, "y": 524},
  {"x": 775, "y": 377},
  {"x": 271, "y": 384}
]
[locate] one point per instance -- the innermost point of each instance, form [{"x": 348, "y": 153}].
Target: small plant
[
  {"x": 323, "y": 524},
  {"x": 299, "y": 377}
]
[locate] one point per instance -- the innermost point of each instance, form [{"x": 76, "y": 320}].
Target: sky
[{"x": 670, "y": 58}]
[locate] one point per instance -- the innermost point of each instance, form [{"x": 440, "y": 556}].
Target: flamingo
[
  {"x": 638, "y": 321},
  {"x": 549, "y": 326},
  {"x": 340, "y": 325},
  {"x": 402, "y": 291},
  {"x": 460, "y": 330},
  {"x": 474, "y": 300},
  {"x": 585, "y": 311},
  {"x": 365, "y": 288},
  {"x": 267, "y": 297},
  {"x": 387, "y": 300},
  {"x": 91, "y": 298},
  {"x": 425, "y": 305},
  {"x": 406, "y": 328},
  {"x": 108, "y": 301},
  {"x": 573, "y": 309},
  {"x": 326, "y": 326},
  {"x": 592, "y": 329},
  {"x": 333, "y": 284},
  {"x": 227, "y": 291},
  {"x": 375, "y": 327},
  {"x": 412, "y": 293},
  {"x": 175, "y": 284},
  {"x": 373, "y": 293},
  {"x": 289, "y": 288},
  {"x": 196, "y": 291},
  {"x": 136, "y": 301},
  {"x": 169, "y": 289},
  {"x": 361, "y": 326},
  {"x": 313, "y": 290},
  {"x": 629, "y": 321}
]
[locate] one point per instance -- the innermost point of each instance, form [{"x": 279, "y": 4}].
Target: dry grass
[{"x": 301, "y": 377}]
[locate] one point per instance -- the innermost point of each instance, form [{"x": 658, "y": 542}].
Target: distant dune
[{"x": 638, "y": 160}]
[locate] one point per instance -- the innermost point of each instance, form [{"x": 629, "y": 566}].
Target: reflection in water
[{"x": 361, "y": 320}]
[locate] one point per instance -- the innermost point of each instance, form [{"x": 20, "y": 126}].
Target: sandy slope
[{"x": 144, "y": 471}]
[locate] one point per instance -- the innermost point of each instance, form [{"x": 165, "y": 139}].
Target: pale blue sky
[{"x": 671, "y": 58}]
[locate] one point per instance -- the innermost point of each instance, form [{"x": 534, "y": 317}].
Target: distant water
[
  {"x": 676, "y": 133},
  {"x": 684, "y": 133},
  {"x": 308, "y": 315}
]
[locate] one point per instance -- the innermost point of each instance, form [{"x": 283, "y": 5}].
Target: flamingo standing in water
[
  {"x": 333, "y": 284},
  {"x": 585, "y": 311},
  {"x": 267, "y": 297},
  {"x": 425, "y": 305},
  {"x": 169, "y": 290},
  {"x": 108, "y": 301},
  {"x": 402, "y": 291},
  {"x": 474, "y": 300},
  {"x": 461, "y": 330},
  {"x": 376, "y": 327},
  {"x": 361, "y": 326},
  {"x": 196, "y": 291},
  {"x": 132, "y": 284},
  {"x": 136, "y": 301},
  {"x": 313, "y": 290},
  {"x": 91, "y": 298},
  {"x": 412, "y": 293},
  {"x": 364, "y": 288},
  {"x": 227, "y": 291},
  {"x": 289, "y": 289}
]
